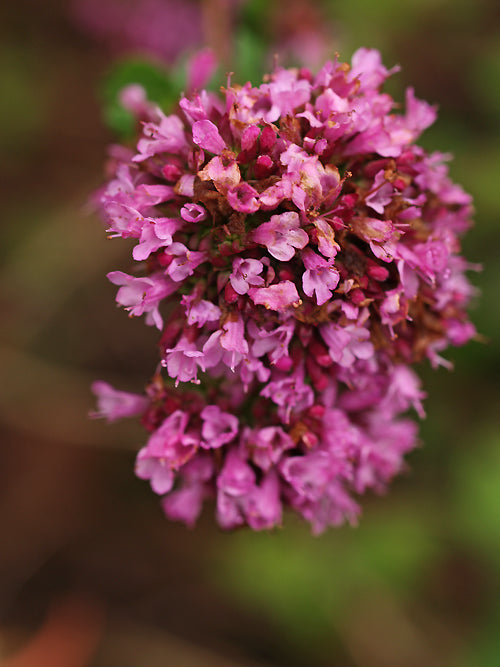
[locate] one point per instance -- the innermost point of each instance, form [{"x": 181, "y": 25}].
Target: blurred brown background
[{"x": 90, "y": 571}]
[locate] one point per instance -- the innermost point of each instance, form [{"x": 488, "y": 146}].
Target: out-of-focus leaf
[
  {"x": 157, "y": 82},
  {"x": 307, "y": 585},
  {"x": 250, "y": 56},
  {"x": 484, "y": 651},
  {"x": 484, "y": 80},
  {"x": 23, "y": 104},
  {"x": 477, "y": 496}
]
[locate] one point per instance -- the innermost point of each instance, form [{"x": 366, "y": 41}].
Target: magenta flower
[
  {"x": 182, "y": 361},
  {"x": 207, "y": 136},
  {"x": 183, "y": 261},
  {"x": 245, "y": 274},
  {"x": 276, "y": 297},
  {"x": 320, "y": 278},
  {"x": 299, "y": 254},
  {"x": 218, "y": 428},
  {"x": 199, "y": 311},
  {"x": 168, "y": 448},
  {"x": 265, "y": 446},
  {"x": 114, "y": 404},
  {"x": 282, "y": 235},
  {"x": 143, "y": 295}
]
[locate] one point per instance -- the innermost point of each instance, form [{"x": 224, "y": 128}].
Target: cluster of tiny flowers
[{"x": 298, "y": 253}]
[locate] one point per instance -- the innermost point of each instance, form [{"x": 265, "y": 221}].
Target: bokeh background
[{"x": 90, "y": 571}]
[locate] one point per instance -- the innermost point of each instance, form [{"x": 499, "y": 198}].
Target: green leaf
[
  {"x": 251, "y": 55},
  {"x": 156, "y": 80},
  {"x": 476, "y": 493}
]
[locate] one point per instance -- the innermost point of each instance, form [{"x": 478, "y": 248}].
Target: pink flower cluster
[{"x": 298, "y": 253}]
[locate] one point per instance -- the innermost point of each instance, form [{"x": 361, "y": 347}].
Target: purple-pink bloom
[
  {"x": 201, "y": 67},
  {"x": 182, "y": 361},
  {"x": 334, "y": 508},
  {"x": 380, "y": 194},
  {"x": 266, "y": 446},
  {"x": 273, "y": 342},
  {"x": 155, "y": 234},
  {"x": 347, "y": 343},
  {"x": 199, "y": 311},
  {"x": 218, "y": 428},
  {"x": 310, "y": 474},
  {"x": 233, "y": 339},
  {"x": 157, "y": 470},
  {"x": 290, "y": 393},
  {"x": 243, "y": 197},
  {"x": 223, "y": 171},
  {"x": 263, "y": 507},
  {"x": 184, "y": 261},
  {"x": 142, "y": 295},
  {"x": 207, "y": 136},
  {"x": 166, "y": 135},
  {"x": 286, "y": 93},
  {"x": 373, "y": 229},
  {"x": 193, "y": 212},
  {"x": 368, "y": 69},
  {"x": 133, "y": 98},
  {"x": 320, "y": 277},
  {"x": 184, "y": 504},
  {"x": 235, "y": 481},
  {"x": 246, "y": 274},
  {"x": 236, "y": 478},
  {"x": 114, "y": 404},
  {"x": 310, "y": 259},
  {"x": 282, "y": 235},
  {"x": 168, "y": 449},
  {"x": 324, "y": 236},
  {"x": 275, "y": 297}
]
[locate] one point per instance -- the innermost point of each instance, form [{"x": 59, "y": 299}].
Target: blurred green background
[{"x": 90, "y": 571}]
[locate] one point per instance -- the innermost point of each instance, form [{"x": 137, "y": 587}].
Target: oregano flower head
[{"x": 298, "y": 254}]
